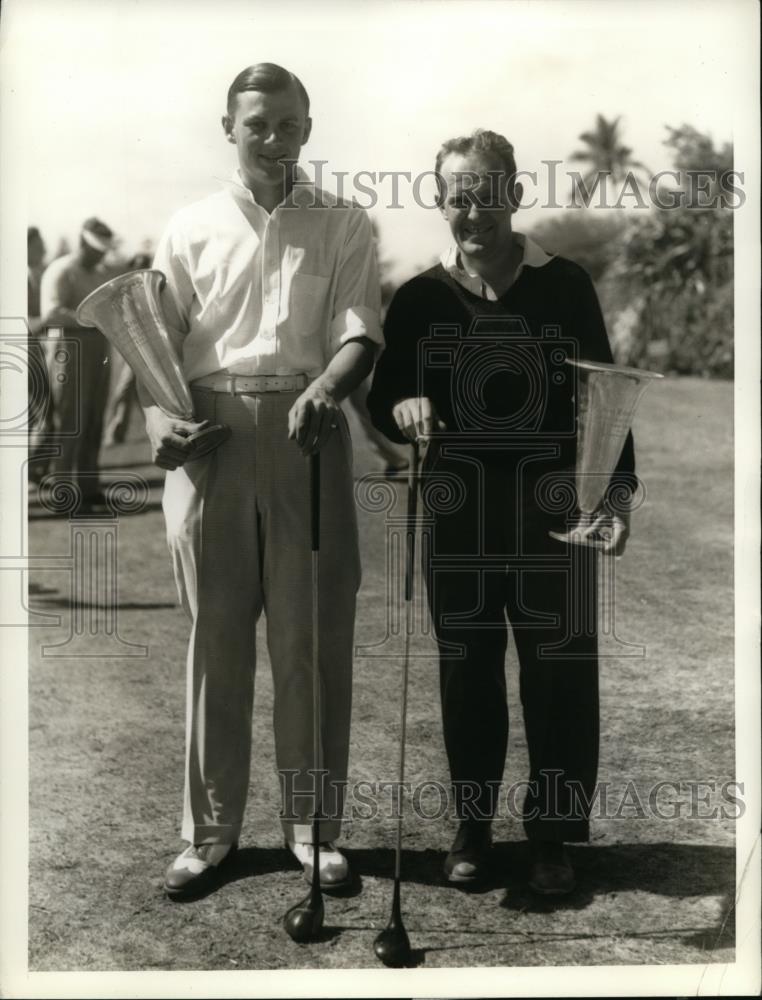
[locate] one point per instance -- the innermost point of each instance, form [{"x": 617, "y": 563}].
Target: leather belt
[{"x": 242, "y": 385}]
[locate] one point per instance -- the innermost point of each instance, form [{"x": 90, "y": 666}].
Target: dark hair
[
  {"x": 32, "y": 233},
  {"x": 267, "y": 78},
  {"x": 480, "y": 141}
]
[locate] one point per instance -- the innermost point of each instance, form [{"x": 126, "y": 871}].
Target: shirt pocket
[{"x": 307, "y": 303}]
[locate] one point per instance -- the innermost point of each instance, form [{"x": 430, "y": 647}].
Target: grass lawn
[{"x": 106, "y": 757}]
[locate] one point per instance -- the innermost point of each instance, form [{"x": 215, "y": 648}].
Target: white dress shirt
[
  {"x": 532, "y": 256},
  {"x": 252, "y": 293}
]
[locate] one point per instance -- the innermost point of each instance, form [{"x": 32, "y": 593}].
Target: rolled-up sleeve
[{"x": 357, "y": 299}]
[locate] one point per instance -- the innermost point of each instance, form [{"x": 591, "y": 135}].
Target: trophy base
[
  {"x": 573, "y": 536},
  {"x": 206, "y": 440}
]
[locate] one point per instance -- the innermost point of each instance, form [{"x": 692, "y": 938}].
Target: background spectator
[{"x": 79, "y": 372}]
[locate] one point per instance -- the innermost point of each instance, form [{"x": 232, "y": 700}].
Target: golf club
[
  {"x": 304, "y": 921},
  {"x": 392, "y": 946}
]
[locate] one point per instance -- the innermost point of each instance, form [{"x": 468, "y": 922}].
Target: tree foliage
[
  {"x": 676, "y": 267},
  {"x": 665, "y": 275},
  {"x": 583, "y": 236},
  {"x": 605, "y": 153},
  {"x": 693, "y": 150}
]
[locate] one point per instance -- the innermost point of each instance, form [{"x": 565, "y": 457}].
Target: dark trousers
[
  {"x": 39, "y": 413},
  {"x": 491, "y": 555},
  {"x": 79, "y": 382}
]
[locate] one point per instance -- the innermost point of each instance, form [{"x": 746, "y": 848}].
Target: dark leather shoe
[
  {"x": 551, "y": 873},
  {"x": 468, "y": 860},
  {"x": 196, "y": 871}
]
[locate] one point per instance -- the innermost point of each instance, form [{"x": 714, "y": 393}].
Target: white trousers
[{"x": 238, "y": 527}]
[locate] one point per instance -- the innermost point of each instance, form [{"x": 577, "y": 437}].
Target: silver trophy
[
  {"x": 127, "y": 311},
  {"x": 608, "y": 398}
]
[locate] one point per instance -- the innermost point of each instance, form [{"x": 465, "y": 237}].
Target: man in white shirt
[{"x": 272, "y": 295}]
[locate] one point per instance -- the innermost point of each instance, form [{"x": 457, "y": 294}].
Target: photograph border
[{"x": 741, "y": 977}]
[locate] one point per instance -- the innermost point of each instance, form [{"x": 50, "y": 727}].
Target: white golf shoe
[
  {"x": 334, "y": 867},
  {"x": 196, "y": 871}
]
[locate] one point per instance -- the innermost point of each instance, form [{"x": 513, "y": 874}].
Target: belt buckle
[
  {"x": 231, "y": 385},
  {"x": 295, "y": 384}
]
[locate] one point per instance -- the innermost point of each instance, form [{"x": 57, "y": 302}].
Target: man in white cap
[{"x": 79, "y": 373}]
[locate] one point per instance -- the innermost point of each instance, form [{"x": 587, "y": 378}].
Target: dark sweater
[{"x": 498, "y": 374}]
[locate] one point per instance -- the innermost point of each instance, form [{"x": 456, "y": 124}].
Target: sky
[{"x": 117, "y": 105}]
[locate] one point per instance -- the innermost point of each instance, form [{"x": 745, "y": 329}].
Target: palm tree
[{"x": 606, "y": 153}]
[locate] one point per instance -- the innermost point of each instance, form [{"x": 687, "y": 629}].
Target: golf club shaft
[
  {"x": 304, "y": 921},
  {"x": 316, "y": 713},
  {"x": 396, "y": 903},
  {"x": 412, "y": 505}
]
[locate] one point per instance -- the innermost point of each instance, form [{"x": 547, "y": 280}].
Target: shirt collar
[
  {"x": 532, "y": 256},
  {"x": 302, "y": 191}
]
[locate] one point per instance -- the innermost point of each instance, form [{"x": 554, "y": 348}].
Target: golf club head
[
  {"x": 392, "y": 946},
  {"x": 304, "y": 921}
]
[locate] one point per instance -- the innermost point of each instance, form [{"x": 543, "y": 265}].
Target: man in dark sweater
[{"x": 475, "y": 366}]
